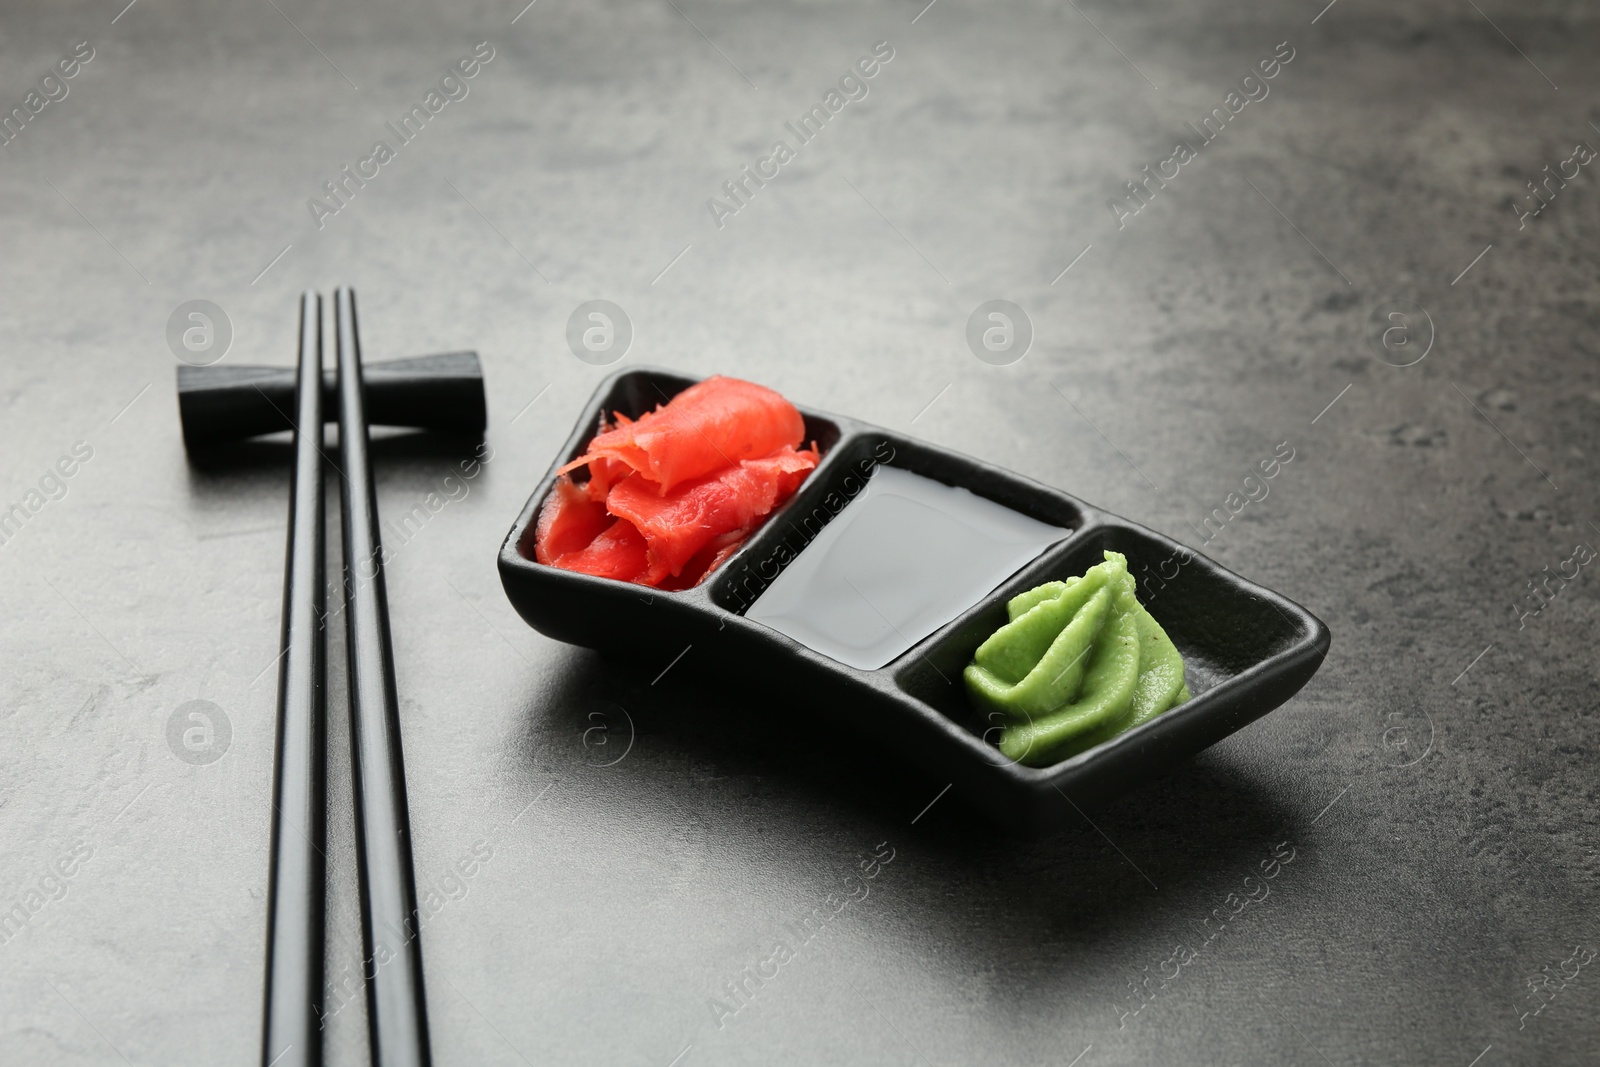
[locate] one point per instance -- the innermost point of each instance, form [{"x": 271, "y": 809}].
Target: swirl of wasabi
[{"x": 1078, "y": 663}]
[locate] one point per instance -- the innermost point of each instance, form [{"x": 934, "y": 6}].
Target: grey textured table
[{"x": 1428, "y": 797}]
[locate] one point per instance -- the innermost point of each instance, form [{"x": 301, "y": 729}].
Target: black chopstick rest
[{"x": 442, "y": 392}]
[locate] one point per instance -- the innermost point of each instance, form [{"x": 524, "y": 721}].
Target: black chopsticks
[
  {"x": 291, "y": 1029},
  {"x": 397, "y": 1011},
  {"x": 220, "y": 405}
]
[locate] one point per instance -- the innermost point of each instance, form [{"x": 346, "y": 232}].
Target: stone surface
[{"x": 1439, "y": 817}]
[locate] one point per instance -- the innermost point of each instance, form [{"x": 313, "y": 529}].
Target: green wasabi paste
[{"x": 1078, "y": 663}]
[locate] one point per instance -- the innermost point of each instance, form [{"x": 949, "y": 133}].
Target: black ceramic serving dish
[{"x": 1247, "y": 649}]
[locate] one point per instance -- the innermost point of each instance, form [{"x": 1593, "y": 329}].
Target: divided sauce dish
[{"x": 1247, "y": 649}]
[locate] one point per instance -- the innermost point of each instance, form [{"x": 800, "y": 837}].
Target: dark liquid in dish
[{"x": 901, "y": 560}]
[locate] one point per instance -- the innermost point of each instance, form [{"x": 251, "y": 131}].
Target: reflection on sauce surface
[{"x": 902, "y": 559}]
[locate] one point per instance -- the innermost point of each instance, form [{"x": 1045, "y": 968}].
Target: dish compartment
[
  {"x": 1238, "y": 640},
  {"x": 580, "y": 608},
  {"x": 636, "y": 392},
  {"x": 844, "y": 475}
]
